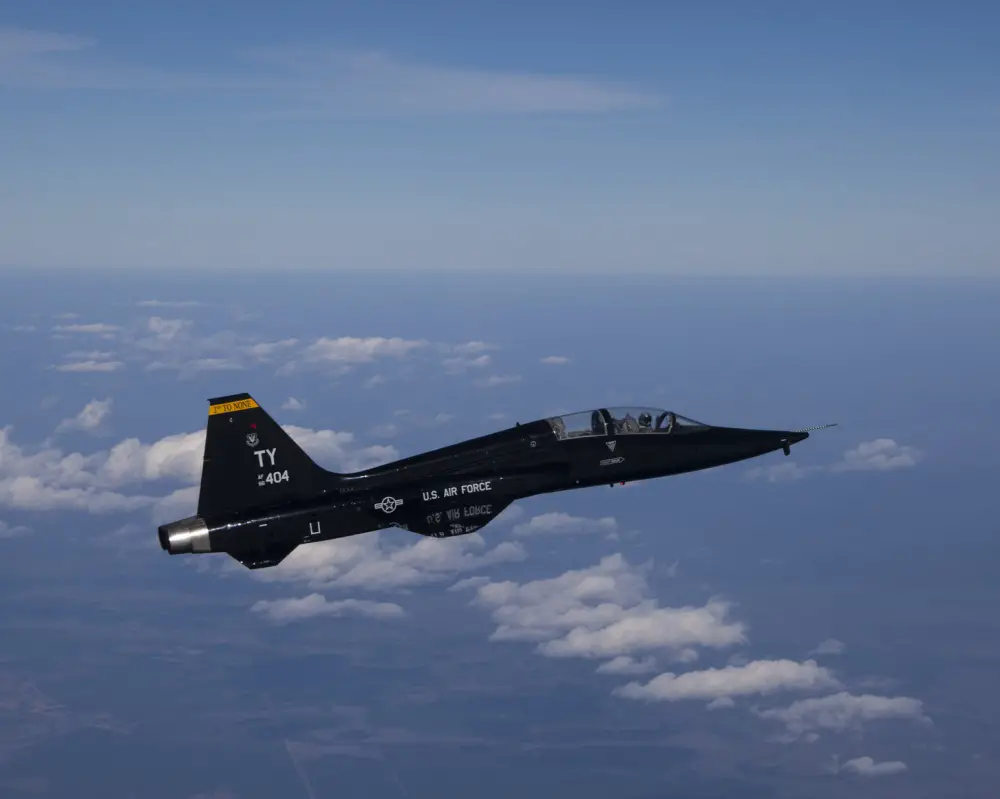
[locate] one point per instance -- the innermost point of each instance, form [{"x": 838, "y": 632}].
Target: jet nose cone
[{"x": 796, "y": 436}]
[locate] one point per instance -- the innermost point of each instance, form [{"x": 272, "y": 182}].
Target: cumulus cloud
[
  {"x": 469, "y": 582},
  {"x": 348, "y": 349},
  {"x": 97, "y": 328},
  {"x": 461, "y": 363},
  {"x": 601, "y": 612},
  {"x": 176, "y": 345},
  {"x": 831, "y": 646},
  {"x": 49, "y": 479},
  {"x": 90, "y": 355},
  {"x": 842, "y": 711},
  {"x": 564, "y": 524},
  {"x": 161, "y": 342},
  {"x": 164, "y": 330},
  {"x": 623, "y": 664},
  {"x": 168, "y": 303},
  {"x": 90, "y": 418},
  {"x": 13, "y": 530},
  {"x": 90, "y": 366},
  {"x": 178, "y": 504},
  {"x": 368, "y": 562},
  {"x": 471, "y": 348},
  {"x": 555, "y": 359},
  {"x": 757, "y": 677},
  {"x": 867, "y": 767},
  {"x": 498, "y": 380},
  {"x": 30, "y": 493},
  {"x": 265, "y": 351},
  {"x": 880, "y": 455},
  {"x": 284, "y": 611},
  {"x": 292, "y": 404}
]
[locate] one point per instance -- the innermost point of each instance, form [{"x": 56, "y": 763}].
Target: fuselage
[{"x": 459, "y": 488}]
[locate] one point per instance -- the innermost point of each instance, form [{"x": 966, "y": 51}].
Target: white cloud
[
  {"x": 169, "y": 303},
  {"x": 373, "y": 381},
  {"x": 95, "y": 328},
  {"x": 177, "y": 504},
  {"x": 843, "y": 711},
  {"x": 867, "y": 767},
  {"x": 90, "y": 418},
  {"x": 13, "y": 531},
  {"x": 165, "y": 330},
  {"x": 292, "y": 404},
  {"x": 30, "y": 493},
  {"x": 348, "y": 349},
  {"x": 601, "y": 612},
  {"x": 284, "y": 611},
  {"x": 563, "y": 524},
  {"x": 90, "y": 355},
  {"x": 315, "y": 80},
  {"x": 266, "y": 350},
  {"x": 363, "y": 562},
  {"x": 338, "y": 449},
  {"x": 469, "y": 582},
  {"x": 176, "y": 344},
  {"x": 831, "y": 646},
  {"x": 623, "y": 664},
  {"x": 509, "y": 514},
  {"x": 461, "y": 363},
  {"x": 471, "y": 347},
  {"x": 882, "y": 455},
  {"x": 90, "y": 366},
  {"x": 498, "y": 380},
  {"x": 757, "y": 677},
  {"x": 555, "y": 359},
  {"x": 49, "y": 479}
]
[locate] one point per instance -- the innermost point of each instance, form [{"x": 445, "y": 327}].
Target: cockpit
[{"x": 621, "y": 421}]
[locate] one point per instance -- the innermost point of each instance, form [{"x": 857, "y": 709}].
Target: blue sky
[
  {"x": 766, "y": 138},
  {"x": 845, "y": 597}
]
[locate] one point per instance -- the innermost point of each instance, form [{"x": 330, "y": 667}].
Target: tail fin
[{"x": 251, "y": 462}]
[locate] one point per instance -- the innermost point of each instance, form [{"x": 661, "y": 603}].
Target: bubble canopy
[{"x": 621, "y": 421}]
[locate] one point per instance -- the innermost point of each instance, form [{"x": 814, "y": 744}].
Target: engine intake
[{"x": 185, "y": 536}]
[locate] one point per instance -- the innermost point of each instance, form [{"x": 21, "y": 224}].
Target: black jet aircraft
[{"x": 261, "y": 496}]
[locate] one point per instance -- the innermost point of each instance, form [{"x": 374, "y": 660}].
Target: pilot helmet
[{"x": 645, "y": 420}]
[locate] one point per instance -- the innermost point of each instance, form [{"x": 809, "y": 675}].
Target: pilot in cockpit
[{"x": 645, "y": 423}]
